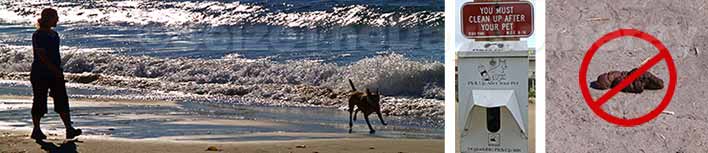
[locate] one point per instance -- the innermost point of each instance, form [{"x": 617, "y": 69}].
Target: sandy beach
[
  {"x": 159, "y": 126},
  {"x": 574, "y": 25},
  {"x": 16, "y": 142}
]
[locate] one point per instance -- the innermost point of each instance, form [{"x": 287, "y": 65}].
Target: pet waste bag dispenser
[{"x": 493, "y": 97}]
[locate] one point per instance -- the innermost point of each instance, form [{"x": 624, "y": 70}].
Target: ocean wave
[
  {"x": 411, "y": 88},
  {"x": 219, "y": 14}
]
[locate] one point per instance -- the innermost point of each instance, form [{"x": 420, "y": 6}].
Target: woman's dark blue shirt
[{"x": 49, "y": 41}]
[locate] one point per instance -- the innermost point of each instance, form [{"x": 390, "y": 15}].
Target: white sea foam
[
  {"x": 212, "y": 13},
  {"x": 410, "y": 87}
]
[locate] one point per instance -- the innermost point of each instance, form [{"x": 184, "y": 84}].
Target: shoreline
[
  {"x": 298, "y": 96},
  {"x": 102, "y": 133}
]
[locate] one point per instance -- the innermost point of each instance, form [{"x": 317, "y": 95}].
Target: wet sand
[
  {"x": 14, "y": 142},
  {"x": 163, "y": 126}
]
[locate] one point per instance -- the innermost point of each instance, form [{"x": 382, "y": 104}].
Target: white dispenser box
[{"x": 492, "y": 114}]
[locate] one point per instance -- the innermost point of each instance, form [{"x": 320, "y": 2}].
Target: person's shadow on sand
[{"x": 66, "y": 147}]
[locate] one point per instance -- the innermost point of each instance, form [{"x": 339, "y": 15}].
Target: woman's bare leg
[
  {"x": 66, "y": 118},
  {"x": 35, "y": 121},
  {"x": 36, "y": 130},
  {"x": 71, "y": 132}
]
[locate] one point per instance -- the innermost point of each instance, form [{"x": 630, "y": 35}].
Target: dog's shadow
[{"x": 66, "y": 147}]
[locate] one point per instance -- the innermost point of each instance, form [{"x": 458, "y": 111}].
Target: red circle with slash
[{"x": 595, "y": 105}]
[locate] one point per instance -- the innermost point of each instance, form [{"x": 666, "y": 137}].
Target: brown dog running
[{"x": 367, "y": 103}]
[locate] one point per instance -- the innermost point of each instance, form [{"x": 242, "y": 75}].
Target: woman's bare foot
[
  {"x": 71, "y": 132},
  {"x": 38, "y": 135}
]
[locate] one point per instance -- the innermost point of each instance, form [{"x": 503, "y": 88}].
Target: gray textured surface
[{"x": 574, "y": 25}]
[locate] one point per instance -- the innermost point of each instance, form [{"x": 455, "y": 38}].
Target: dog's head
[{"x": 373, "y": 98}]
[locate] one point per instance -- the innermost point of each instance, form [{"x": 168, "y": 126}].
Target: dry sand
[
  {"x": 574, "y": 25},
  {"x": 14, "y": 138}
]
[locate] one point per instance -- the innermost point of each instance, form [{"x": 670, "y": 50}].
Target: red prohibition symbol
[{"x": 596, "y": 105}]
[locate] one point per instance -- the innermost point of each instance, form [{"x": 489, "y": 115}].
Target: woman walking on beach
[{"x": 47, "y": 77}]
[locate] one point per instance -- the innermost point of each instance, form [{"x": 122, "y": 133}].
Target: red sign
[
  {"x": 497, "y": 19},
  {"x": 596, "y": 105}
]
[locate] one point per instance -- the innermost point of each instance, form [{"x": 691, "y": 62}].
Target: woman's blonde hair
[{"x": 47, "y": 14}]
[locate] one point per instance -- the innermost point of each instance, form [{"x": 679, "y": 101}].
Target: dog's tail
[{"x": 352, "y": 84}]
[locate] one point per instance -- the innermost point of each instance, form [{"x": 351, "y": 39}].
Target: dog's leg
[
  {"x": 350, "y": 118},
  {"x": 380, "y": 118},
  {"x": 371, "y": 129},
  {"x": 355, "y": 112}
]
